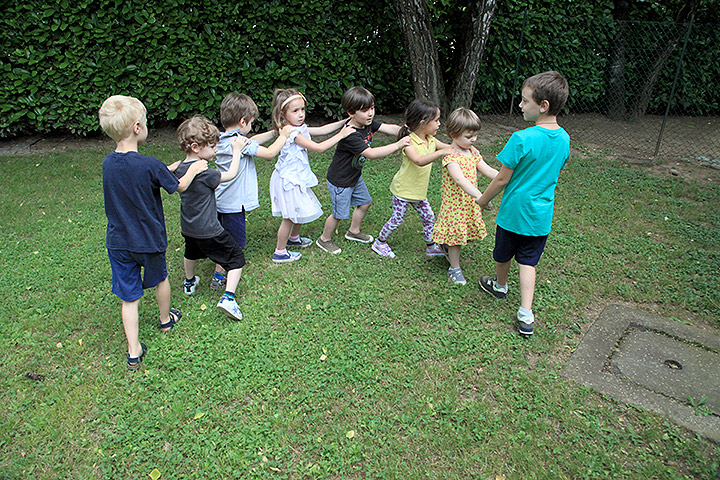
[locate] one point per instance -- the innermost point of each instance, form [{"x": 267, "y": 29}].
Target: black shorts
[
  {"x": 526, "y": 250},
  {"x": 221, "y": 249}
]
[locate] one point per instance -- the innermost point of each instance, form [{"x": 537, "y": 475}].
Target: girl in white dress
[{"x": 292, "y": 181}]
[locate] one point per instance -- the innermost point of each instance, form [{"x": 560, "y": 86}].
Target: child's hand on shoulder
[
  {"x": 404, "y": 142},
  {"x": 287, "y": 130},
  {"x": 239, "y": 143},
  {"x": 198, "y": 166},
  {"x": 445, "y": 151},
  {"x": 346, "y": 130},
  {"x": 173, "y": 166}
]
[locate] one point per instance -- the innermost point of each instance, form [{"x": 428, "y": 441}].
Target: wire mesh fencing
[{"x": 640, "y": 89}]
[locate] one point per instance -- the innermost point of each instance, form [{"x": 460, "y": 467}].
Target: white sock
[
  {"x": 501, "y": 288},
  {"x": 525, "y": 315}
]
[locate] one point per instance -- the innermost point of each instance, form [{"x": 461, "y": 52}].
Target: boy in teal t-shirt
[{"x": 531, "y": 163}]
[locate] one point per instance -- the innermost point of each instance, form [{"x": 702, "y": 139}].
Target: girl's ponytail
[{"x": 416, "y": 113}]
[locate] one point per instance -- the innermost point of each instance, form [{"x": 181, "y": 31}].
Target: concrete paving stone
[{"x": 653, "y": 363}]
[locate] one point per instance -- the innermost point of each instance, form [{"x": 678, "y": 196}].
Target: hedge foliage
[{"x": 60, "y": 60}]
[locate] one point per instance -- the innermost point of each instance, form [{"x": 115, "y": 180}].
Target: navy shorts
[
  {"x": 526, "y": 250},
  {"x": 345, "y": 197},
  {"x": 127, "y": 282},
  {"x": 235, "y": 224},
  {"x": 221, "y": 249}
]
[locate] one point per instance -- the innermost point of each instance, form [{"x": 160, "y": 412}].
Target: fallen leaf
[
  {"x": 198, "y": 415},
  {"x": 350, "y": 434},
  {"x": 59, "y": 345},
  {"x": 323, "y": 357},
  {"x": 155, "y": 474},
  {"x": 308, "y": 307},
  {"x": 203, "y": 307},
  {"x": 265, "y": 459},
  {"x": 35, "y": 252},
  {"x": 80, "y": 342}
]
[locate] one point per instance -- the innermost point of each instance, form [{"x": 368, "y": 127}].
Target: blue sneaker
[
  {"x": 301, "y": 242},
  {"x": 525, "y": 329},
  {"x": 218, "y": 282},
  {"x": 286, "y": 257},
  {"x": 230, "y": 307}
]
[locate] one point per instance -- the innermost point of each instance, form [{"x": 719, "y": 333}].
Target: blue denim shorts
[
  {"x": 127, "y": 282},
  {"x": 345, "y": 197},
  {"x": 526, "y": 250}
]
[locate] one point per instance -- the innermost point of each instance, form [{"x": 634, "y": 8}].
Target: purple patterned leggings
[{"x": 399, "y": 210}]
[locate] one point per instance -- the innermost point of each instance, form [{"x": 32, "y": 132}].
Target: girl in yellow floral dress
[{"x": 460, "y": 218}]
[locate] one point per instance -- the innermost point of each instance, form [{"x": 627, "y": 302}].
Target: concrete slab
[{"x": 657, "y": 364}]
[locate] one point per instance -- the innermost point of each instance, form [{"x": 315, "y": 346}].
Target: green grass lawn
[{"x": 347, "y": 366}]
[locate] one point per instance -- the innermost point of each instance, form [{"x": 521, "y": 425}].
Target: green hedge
[{"x": 59, "y": 61}]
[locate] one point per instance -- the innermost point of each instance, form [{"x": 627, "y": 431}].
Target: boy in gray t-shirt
[{"x": 203, "y": 234}]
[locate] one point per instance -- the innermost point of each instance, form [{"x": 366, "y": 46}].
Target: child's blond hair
[
  {"x": 199, "y": 130},
  {"x": 118, "y": 114},
  {"x": 461, "y": 120},
  {"x": 280, "y": 104}
]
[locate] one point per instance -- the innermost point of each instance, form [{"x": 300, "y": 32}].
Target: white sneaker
[
  {"x": 189, "y": 287},
  {"x": 230, "y": 307}
]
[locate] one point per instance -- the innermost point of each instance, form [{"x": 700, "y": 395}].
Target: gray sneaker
[
  {"x": 359, "y": 237},
  {"x": 328, "y": 246},
  {"x": 487, "y": 283},
  {"x": 457, "y": 276}
]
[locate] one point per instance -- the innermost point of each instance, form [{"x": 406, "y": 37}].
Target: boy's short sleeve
[
  {"x": 250, "y": 149},
  {"x": 512, "y": 152},
  {"x": 165, "y": 178}
]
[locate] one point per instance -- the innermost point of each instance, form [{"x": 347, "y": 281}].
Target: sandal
[
  {"x": 133, "y": 363},
  {"x": 175, "y": 317}
]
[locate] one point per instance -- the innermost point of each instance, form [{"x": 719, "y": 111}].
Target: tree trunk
[
  {"x": 414, "y": 22},
  {"x": 642, "y": 100},
  {"x": 616, "y": 89},
  {"x": 472, "y": 46}
]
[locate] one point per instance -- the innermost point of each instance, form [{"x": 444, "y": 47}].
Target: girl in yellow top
[{"x": 410, "y": 184}]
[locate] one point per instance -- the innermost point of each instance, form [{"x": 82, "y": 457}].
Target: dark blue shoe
[
  {"x": 301, "y": 242},
  {"x": 286, "y": 257},
  {"x": 525, "y": 329},
  {"x": 133, "y": 363}
]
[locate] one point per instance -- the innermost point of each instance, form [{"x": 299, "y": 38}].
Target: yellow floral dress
[{"x": 460, "y": 218}]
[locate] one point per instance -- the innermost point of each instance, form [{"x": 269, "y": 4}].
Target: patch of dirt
[{"x": 690, "y": 148}]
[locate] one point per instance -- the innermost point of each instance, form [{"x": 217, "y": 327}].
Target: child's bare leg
[
  {"x": 189, "y": 266},
  {"x": 330, "y": 226},
  {"x": 286, "y": 227},
  {"x": 357, "y": 218},
  {"x": 162, "y": 294},
  {"x": 295, "y": 230},
  {"x": 233, "y": 278},
  {"x": 527, "y": 285},
  {"x": 131, "y": 324},
  {"x": 219, "y": 268},
  {"x": 454, "y": 256},
  {"x": 501, "y": 271}
]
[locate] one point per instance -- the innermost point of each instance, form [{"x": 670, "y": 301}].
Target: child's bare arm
[
  {"x": 385, "y": 150},
  {"x": 421, "y": 160},
  {"x": 305, "y": 142},
  {"x": 496, "y": 186},
  {"x": 440, "y": 144},
  {"x": 264, "y": 137},
  {"x": 184, "y": 182},
  {"x": 486, "y": 169},
  {"x": 237, "y": 146},
  {"x": 327, "y": 128},
  {"x": 173, "y": 166},
  {"x": 462, "y": 181},
  {"x": 389, "y": 129},
  {"x": 276, "y": 146}
]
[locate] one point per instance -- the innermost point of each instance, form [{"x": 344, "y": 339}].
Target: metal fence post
[
  {"x": 517, "y": 61},
  {"x": 672, "y": 91}
]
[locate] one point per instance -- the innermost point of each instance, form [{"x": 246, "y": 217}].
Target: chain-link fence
[{"x": 641, "y": 89}]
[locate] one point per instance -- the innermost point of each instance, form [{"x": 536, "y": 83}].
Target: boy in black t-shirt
[
  {"x": 344, "y": 177},
  {"x": 204, "y": 235}
]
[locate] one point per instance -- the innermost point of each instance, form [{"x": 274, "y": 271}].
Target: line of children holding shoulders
[{"x": 214, "y": 202}]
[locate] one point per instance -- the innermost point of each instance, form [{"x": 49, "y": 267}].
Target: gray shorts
[{"x": 345, "y": 197}]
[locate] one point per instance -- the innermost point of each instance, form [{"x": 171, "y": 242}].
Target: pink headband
[{"x": 291, "y": 98}]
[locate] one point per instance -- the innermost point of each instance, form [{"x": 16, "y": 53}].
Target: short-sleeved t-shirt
[
  {"x": 536, "y": 155},
  {"x": 347, "y": 163},
  {"x": 131, "y": 187},
  {"x": 411, "y": 181},
  {"x": 242, "y": 191},
  {"x": 198, "y": 210}
]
